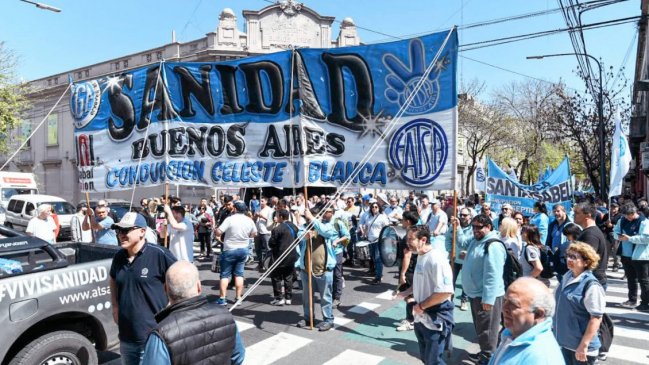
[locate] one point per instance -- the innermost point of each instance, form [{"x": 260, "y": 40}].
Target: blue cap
[{"x": 130, "y": 220}]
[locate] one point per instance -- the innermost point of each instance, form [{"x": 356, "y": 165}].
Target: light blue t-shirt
[{"x": 106, "y": 235}]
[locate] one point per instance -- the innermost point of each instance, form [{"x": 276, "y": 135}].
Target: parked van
[
  {"x": 22, "y": 208},
  {"x": 15, "y": 183}
]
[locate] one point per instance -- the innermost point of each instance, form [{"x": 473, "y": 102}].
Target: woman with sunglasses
[
  {"x": 580, "y": 306},
  {"x": 204, "y": 230},
  {"x": 372, "y": 222}
]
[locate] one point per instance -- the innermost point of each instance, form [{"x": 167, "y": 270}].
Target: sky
[{"x": 89, "y": 32}]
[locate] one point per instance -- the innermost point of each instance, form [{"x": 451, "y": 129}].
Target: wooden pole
[
  {"x": 307, "y": 264},
  {"x": 166, "y": 218},
  {"x": 92, "y": 233},
  {"x": 454, "y": 231}
]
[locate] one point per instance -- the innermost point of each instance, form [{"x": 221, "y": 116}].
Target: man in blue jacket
[
  {"x": 323, "y": 262},
  {"x": 528, "y": 339},
  {"x": 482, "y": 280}
]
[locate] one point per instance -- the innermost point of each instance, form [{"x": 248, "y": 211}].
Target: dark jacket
[
  {"x": 197, "y": 332},
  {"x": 280, "y": 240}
]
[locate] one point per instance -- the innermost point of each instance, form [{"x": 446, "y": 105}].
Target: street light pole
[
  {"x": 43, "y": 6},
  {"x": 600, "y": 111}
]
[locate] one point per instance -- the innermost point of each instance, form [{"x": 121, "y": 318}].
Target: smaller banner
[
  {"x": 620, "y": 160},
  {"x": 480, "y": 177},
  {"x": 555, "y": 189}
]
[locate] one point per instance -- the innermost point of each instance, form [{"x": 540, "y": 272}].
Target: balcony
[{"x": 638, "y": 128}]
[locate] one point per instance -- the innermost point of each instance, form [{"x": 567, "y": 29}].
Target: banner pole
[
  {"x": 92, "y": 233},
  {"x": 307, "y": 264},
  {"x": 454, "y": 231},
  {"x": 166, "y": 218}
]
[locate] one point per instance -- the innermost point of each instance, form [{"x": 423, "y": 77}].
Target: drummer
[{"x": 393, "y": 211}]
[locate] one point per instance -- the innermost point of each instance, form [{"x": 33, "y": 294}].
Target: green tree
[{"x": 13, "y": 99}]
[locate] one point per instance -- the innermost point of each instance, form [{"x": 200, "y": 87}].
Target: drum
[
  {"x": 389, "y": 239},
  {"x": 362, "y": 250}
]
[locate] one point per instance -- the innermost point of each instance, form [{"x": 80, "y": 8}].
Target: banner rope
[
  {"x": 37, "y": 127},
  {"x": 390, "y": 126}
]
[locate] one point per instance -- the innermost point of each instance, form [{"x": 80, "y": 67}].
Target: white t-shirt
[
  {"x": 237, "y": 228},
  {"x": 266, "y": 221},
  {"x": 433, "y": 274},
  {"x": 514, "y": 244},
  {"x": 181, "y": 240},
  {"x": 425, "y": 212},
  {"x": 43, "y": 229},
  {"x": 529, "y": 254},
  {"x": 436, "y": 219},
  {"x": 374, "y": 224}
]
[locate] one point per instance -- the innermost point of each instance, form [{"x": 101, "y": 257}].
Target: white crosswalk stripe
[
  {"x": 348, "y": 357},
  {"x": 274, "y": 348}
]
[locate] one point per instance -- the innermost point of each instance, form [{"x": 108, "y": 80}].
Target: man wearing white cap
[
  {"x": 137, "y": 277},
  {"x": 506, "y": 211}
]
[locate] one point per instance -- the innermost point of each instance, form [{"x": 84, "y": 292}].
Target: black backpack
[
  {"x": 606, "y": 330},
  {"x": 513, "y": 269},
  {"x": 547, "y": 260}
]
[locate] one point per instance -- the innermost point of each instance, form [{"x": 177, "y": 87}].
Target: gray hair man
[
  {"x": 190, "y": 329},
  {"x": 528, "y": 307}
]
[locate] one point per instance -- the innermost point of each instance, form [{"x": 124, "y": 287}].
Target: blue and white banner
[
  {"x": 243, "y": 124},
  {"x": 620, "y": 159},
  {"x": 555, "y": 189},
  {"x": 480, "y": 177}
]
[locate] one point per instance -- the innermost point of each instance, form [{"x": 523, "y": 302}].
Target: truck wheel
[
  {"x": 57, "y": 348},
  {"x": 9, "y": 225}
]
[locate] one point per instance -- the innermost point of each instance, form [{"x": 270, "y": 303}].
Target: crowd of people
[{"x": 505, "y": 260}]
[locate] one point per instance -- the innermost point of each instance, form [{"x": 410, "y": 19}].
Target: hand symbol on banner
[{"x": 403, "y": 79}]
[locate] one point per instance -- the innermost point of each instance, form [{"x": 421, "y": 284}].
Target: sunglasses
[
  {"x": 477, "y": 227},
  {"x": 375, "y": 206},
  {"x": 573, "y": 257},
  {"x": 464, "y": 215},
  {"x": 124, "y": 231}
]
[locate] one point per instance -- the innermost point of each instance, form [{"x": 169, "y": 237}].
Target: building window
[
  {"x": 56, "y": 81},
  {"x": 125, "y": 63},
  {"x": 221, "y": 58},
  {"x": 158, "y": 56},
  {"x": 53, "y": 129},
  {"x": 25, "y": 131},
  {"x": 87, "y": 73},
  {"x": 78, "y": 75},
  {"x": 49, "y": 82},
  {"x": 148, "y": 57}
]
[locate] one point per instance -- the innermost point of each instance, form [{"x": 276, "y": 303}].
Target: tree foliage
[
  {"x": 577, "y": 122},
  {"x": 13, "y": 100}
]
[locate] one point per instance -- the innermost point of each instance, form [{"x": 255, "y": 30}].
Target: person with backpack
[
  {"x": 482, "y": 280},
  {"x": 531, "y": 257},
  {"x": 281, "y": 238},
  {"x": 581, "y": 302}
]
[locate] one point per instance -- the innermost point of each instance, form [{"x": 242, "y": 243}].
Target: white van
[
  {"x": 15, "y": 183},
  {"x": 22, "y": 208}
]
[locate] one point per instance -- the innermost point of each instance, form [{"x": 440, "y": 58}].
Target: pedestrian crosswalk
[{"x": 630, "y": 345}]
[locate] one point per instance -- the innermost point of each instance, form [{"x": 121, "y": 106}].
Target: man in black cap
[{"x": 137, "y": 277}]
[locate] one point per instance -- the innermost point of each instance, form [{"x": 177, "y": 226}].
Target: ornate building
[{"x": 50, "y": 153}]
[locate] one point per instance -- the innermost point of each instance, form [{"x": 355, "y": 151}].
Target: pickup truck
[{"x": 55, "y": 305}]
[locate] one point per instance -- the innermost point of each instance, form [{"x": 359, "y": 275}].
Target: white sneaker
[
  {"x": 405, "y": 325},
  {"x": 287, "y": 302},
  {"x": 464, "y": 305},
  {"x": 278, "y": 302},
  {"x": 343, "y": 283}
]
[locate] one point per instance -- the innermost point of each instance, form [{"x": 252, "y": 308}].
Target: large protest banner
[
  {"x": 276, "y": 119},
  {"x": 554, "y": 189}
]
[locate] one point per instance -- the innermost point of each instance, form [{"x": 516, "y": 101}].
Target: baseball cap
[
  {"x": 372, "y": 201},
  {"x": 240, "y": 206},
  {"x": 366, "y": 197},
  {"x": 130, "y": 220}
]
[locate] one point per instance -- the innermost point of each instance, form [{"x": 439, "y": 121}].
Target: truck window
[
  {"x": 7, "y": 193},
  {"x": 29, "y": 209},
  {"x": 19, "y": 206},
  {"x": 11, "y": 206},
  {"x": 62, "y": 207},
  {"x": 24, "y": 261}
]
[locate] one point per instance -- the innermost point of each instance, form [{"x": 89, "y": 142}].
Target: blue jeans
[
  {"x": 375, "y": 252},
  {"x": 233, "y": 261},
  {"x": 431, "y": 344},
  {"x": 131, "y": 352},
  {"x": 323, "y": 285}
]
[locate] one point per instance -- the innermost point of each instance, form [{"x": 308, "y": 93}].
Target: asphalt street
[{"x": 365, "y": 326}]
